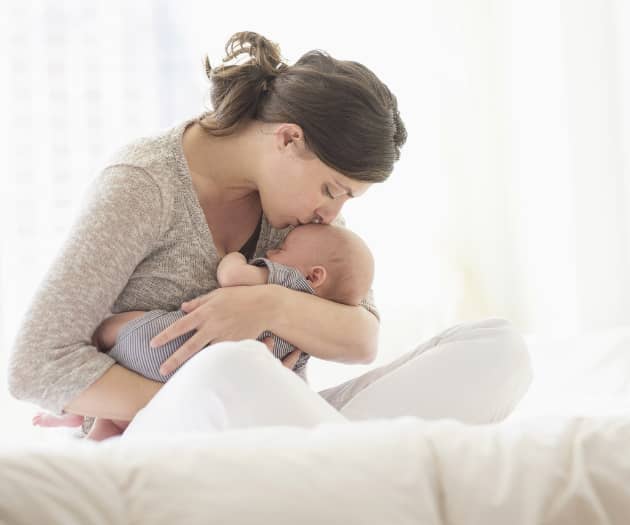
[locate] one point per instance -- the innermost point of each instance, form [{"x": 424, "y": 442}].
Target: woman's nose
[{"x": 328, "y": 214}]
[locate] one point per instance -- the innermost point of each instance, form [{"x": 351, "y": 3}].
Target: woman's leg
[
  {"x": 232, "y": 385},
  {"x": 473, "y": 372},
  {"x": 103, "y": 429}
]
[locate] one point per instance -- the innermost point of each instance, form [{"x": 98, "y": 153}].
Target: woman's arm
[
  {"x": 118, "y": 394},
  {"x": 332, "y": 323},
  {"x": 323, "y": 328},
  {"x": 319, "y": 327},
  {"x": 53, "y": 360}
]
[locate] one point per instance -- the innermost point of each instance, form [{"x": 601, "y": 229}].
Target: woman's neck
[{"x": 221, "y": 168}]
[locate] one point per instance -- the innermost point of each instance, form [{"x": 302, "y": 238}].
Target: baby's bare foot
[{"x": 43, "y": 419}]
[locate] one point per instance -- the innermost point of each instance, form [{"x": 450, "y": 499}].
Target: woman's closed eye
[{"x": 328, "y": 193}]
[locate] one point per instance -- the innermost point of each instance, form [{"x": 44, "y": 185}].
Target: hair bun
[
  {"x": 349, "y": 118},
  {"x": 264, "y": 52},
  {"x": 400, "y": 134}
]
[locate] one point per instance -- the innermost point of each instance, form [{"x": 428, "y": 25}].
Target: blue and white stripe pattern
[
  {"x": 291, "y": 278},
  {"x": 132, "y": 348}
]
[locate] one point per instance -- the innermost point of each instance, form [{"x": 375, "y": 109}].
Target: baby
[{"x": 329, "y": 261}]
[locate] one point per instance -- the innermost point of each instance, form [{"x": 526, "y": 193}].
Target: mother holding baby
[{"x": 283, "y": 146}]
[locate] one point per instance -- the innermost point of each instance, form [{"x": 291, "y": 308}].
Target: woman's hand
[
  {"x": 289, "y": 360},
  {"x": 224, "y": 314}
]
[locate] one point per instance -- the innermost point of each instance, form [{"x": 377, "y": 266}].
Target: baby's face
[{"x": 336, "y": 261}]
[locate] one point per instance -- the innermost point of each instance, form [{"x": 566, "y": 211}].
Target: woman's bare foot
[
  {"x": 44, "y": 419},
  {"x": 105, "y": 428}
]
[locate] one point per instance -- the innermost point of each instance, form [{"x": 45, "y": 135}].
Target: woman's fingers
[
  {"x": 292, "y": 358},
  {"x": 196, "y": 343},
  {"x": 289, "y": 360},
  {"x": 182, "y": 326},
  {"x": 269, "y": 342},
  {"x": 189, "y": 306}
]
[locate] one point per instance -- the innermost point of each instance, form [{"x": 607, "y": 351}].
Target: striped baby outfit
[{"x": 132, "y": 348}]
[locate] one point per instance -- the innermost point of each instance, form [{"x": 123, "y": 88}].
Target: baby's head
[{"x": 337, "y": 262}]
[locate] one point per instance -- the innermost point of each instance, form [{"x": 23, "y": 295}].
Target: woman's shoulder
[
  {"x": 157, "y": 154},
  {"x": 143, "y": 152}
]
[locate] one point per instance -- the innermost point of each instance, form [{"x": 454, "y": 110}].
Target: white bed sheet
[
  {"x": 587, "y": 374},
  {"x": 563, "y": 457},
  {"x": 549, "y": 470}
]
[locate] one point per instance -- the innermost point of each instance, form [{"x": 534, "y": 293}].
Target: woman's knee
[
  {"x": 230, "y": 356},
  {"x": 498, "y": 354},
  {"x": 494, "y": 329},
  {"x": 496, "y": 341}
]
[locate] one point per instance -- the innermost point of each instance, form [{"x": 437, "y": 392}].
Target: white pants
[{"x": 473, "y": 372}]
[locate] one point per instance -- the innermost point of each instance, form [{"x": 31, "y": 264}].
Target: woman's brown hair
[{"x": 349, "y": 117}]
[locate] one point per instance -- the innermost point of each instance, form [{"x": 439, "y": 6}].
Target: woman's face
[{"x": 296, "y": 187}]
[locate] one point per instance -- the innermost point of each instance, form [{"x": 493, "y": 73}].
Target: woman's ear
[
  {"x": 290, "y": 138},
  {"x": 316, "y": 276}
]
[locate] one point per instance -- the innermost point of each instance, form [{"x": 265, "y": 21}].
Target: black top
[{"x": 249, "y": 248}]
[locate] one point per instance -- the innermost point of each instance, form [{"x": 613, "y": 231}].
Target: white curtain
[
  {"x": 535, "y": 131},
  {"x": 510, "y": 198}
]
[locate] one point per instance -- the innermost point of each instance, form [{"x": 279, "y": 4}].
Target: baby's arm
[{"x": 233, "y": 270}]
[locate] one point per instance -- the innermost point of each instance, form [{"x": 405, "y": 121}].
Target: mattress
[
  {"x": 563, "y": 457},
  {"x": 545, "y": 470}
]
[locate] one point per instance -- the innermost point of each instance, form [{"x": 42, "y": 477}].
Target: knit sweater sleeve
[{"x": 53, "y": 359}]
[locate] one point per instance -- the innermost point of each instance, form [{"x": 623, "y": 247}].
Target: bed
[{"x": 562, "y": 457}]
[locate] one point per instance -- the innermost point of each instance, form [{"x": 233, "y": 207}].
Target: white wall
[{"x": 509, "y": 198}]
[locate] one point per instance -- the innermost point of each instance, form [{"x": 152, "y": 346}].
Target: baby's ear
[{"x": 316, "y": 276}]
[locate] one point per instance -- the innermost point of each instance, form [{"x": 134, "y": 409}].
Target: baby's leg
[
  {"x": 132, "y": 345},
  {"x": 106, "y": 428},
  {"x": 44, "y": 419}
]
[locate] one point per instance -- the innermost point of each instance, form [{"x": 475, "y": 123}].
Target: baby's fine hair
[{"x": 348, "y": 261}]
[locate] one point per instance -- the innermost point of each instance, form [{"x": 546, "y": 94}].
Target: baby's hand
[
  {"x": 234, "y": 257},
  {"x": 227, "y": 265},
  {"x": 233, "y": 270}
]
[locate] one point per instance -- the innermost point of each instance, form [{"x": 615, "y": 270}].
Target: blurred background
[{"x": 510, "y": 198}]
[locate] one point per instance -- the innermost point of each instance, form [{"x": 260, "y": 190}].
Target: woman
[{"x": 283, "y": 145}]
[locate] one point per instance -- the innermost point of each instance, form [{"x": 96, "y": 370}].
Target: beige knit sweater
[{"x": 140, "y": 242}]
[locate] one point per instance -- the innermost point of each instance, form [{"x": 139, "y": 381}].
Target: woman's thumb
[
  {"x": 292, "y": 358},
  {"x": 269, "y": 342},
  {"x": 189, "y": 305}
]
